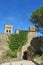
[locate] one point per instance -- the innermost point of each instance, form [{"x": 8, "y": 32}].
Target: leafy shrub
[{"x": 16, "y": 41}]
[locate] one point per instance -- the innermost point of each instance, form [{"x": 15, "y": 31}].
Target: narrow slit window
[{"x": 6, "y": 30}]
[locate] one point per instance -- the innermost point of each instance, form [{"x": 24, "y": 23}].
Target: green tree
[
  {"x": 37, "y": 17},
  {"x": 16, "y": 41},
  {"x": 37, "y": 45}
]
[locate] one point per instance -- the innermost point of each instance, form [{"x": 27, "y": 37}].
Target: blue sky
[{"x": 17, "y": 13}]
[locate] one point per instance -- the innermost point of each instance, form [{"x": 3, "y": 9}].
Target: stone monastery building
[{"x": 8, "y": 29}]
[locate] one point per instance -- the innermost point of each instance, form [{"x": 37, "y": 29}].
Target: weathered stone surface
[{"x": 4, "y": 37}]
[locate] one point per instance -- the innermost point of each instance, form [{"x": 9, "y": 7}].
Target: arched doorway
[{"x": 26, "y": 55}]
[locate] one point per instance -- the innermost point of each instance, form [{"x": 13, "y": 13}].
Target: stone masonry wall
[
  {"x": 3, "y": 42},
  {"x": 30, "y": 36}
]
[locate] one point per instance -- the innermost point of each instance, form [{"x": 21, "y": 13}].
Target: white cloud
[{"x": 9, "y": 18}]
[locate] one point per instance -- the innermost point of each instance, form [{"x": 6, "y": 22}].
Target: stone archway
[{"x": 26, "y": 55}]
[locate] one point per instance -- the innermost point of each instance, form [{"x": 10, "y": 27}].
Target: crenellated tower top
[{"x": 8, "y": 29}]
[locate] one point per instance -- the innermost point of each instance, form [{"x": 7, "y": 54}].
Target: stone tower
[
  {"x": 8, "y": 29},
  {"x": 31, "y": 34}
]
